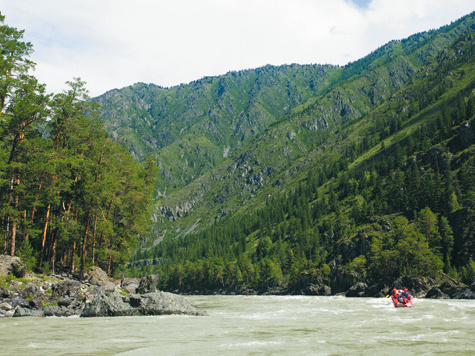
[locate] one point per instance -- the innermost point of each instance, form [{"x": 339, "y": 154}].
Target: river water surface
[{"x": 258, "y": 325}]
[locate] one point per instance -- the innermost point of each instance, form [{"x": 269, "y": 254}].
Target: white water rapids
[{"x": 258, "y": 325}]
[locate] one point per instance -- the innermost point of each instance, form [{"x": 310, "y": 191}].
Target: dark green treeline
[{"x": 69, "y": 196}]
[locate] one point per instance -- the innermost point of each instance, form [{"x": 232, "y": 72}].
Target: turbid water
[{"x": 258, "y": 325}]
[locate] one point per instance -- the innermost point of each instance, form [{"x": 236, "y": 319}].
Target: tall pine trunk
[
  {"x": 45, "y": 228},
  {"x": 84, "y": 240}
]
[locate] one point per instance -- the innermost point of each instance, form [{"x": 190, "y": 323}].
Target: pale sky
[{"x": 115, "y": 43}]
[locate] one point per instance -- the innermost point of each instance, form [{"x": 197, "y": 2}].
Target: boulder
[
  {"x": 100, "y": 278},
  {"x": 12, "y": 265},
  {"x": 64, "y": 302},
  {"x": 157, "y": 303},
  {"x": 147, "y": 284},
  {"x": 56, "y": 310},
  {"x": 417, "y": 286},
  {"x": 130, "y": 284},
  {"x": 67, "y": 289},
  {"x": 317, "y": 289},
  {"x": 466, "y": 293},
  {"x": 22, "y": 312},
  {"x": 10, "y": 313},
  {"x": 357, "y": 290},
  {"x": 5, "y": 306},
  {"x": 436, "y": 293},
  {"x": 35, "y": 304},
  {"x": 19, "y": 302},
  {"x": 4, "y": 292}
]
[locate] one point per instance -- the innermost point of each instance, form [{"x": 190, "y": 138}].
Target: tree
[
  {"x": 427, "y": 223},
  {"x": 23, "y": 104},
  {"x": 69, "y": 196},
  {"x": 447, "y": 242}
]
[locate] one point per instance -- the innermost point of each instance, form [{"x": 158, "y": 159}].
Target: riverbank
[
  {"x": 24, "y": 294},
  {"x": 419, "y": 287}
]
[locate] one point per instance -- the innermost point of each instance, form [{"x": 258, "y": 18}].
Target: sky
[{"x": 116, "y": 43}]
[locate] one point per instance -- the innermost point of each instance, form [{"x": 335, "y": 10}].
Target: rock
[
  {"x": 35, "y": 304},
  {"x": 69, "y": 288},
  {"x": 357, "y": 290},
  {"x": 5, "y": 306},
  {"x": 317, "y": 289},
  {"x": 147, "y": 284},
  {"x": 30, "y": 290},
  {"x": 19, "y": 302},
  {"x": 64, "y": 302},
  {"x": 22, "y": 312},
  {"x": 131, "y": 288},
  {"x": 466, "y": 293},
  {"x": 61, "y": 311},
  {"x": 130, "y": 284},
  {"x": 12, "y": 265},
  {"x": 10, "y": 313},
  {"x": 4, "y": 292},
  {"x": 436, "y": 293},
  {"x": 343, "y": 281},
  {"x": 417, "y": 286},
  {"x": 157, "y": 303},
  {"x": 100, "y": 278}
]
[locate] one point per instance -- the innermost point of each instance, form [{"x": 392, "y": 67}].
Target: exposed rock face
[
  {"x": 130, "y": 284},
  {"x": 147, "y": 284},
  {"x": 419, "y": 286},
  {"x": 98, "y": 277},
  {"x": 13, "y": 265},
  {"x": 157, "y": 303},
  {"x": 318, "y": 289},
  {"x": 357, "y": 290}
]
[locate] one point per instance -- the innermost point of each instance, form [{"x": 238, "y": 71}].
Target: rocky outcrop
[
  {"x": 12, "y": 265},
  {"x": 95, "y": 295},
  {"x": 98, "y": 277},
  {"x": 147, "y": 284},
  {"x": 157, "y": 303}
]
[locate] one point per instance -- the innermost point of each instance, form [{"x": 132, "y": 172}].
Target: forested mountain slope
[
  {"x": 191, "y": 128},
  {"x": 371, "y": 178}
]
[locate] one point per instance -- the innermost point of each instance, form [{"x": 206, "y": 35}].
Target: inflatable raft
[{"x": 401, "y": 302}]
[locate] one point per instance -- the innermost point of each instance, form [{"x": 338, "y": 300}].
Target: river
[{"x": 258, "y": 325}]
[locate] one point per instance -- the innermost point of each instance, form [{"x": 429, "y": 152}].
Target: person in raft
[
  {"x": 406, "y": 297},
  {"x": 396, "y": 295}
]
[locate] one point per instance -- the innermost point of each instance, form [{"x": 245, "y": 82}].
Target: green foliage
[
  {"x": 27, "y": 255},
  {"x": 69, "y": 196},
  {"x": 468, "y": 272}
]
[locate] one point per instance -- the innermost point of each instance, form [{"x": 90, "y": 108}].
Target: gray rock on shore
[
  {"x": 95, "y": 295},
  {"x": 155, "y": 303}
]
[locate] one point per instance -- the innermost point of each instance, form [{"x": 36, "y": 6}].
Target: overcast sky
[{"x": 115, "y": 43}]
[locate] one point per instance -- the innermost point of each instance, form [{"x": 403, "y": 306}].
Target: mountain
[
  {"x": 327, "y": 172},
  {"x": 192, "y": 128}
]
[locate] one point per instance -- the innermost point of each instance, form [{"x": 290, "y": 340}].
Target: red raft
[{"x": 401, "y": 302}]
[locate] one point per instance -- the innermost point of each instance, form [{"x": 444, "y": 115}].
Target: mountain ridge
[{"x": 366, "y": 114}]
